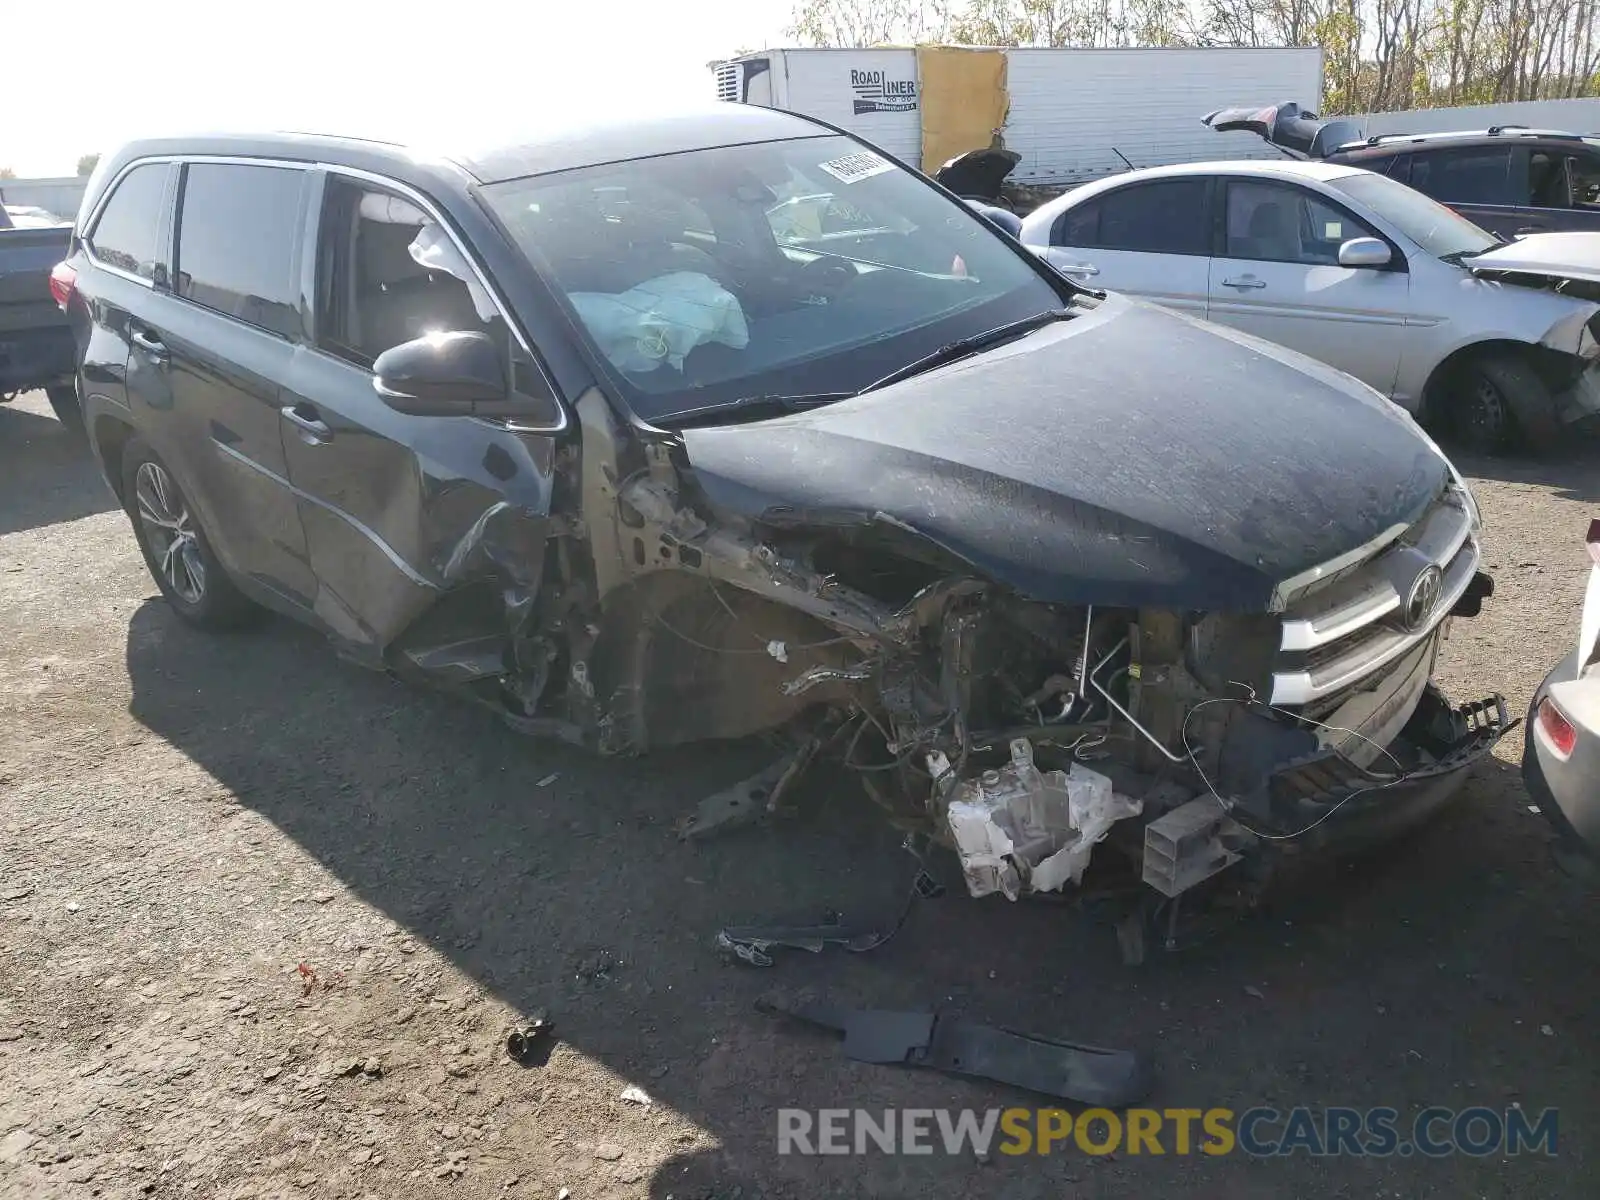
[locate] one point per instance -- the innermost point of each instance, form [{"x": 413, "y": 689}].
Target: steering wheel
[{"x": 827, "y": 276}]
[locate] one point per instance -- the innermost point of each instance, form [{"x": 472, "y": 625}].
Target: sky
[{"x": 82, "y": 78}]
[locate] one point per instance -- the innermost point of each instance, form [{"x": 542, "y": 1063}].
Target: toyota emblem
[{"x": 1422, "y": 598}]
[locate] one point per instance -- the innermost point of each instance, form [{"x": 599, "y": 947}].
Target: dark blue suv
[{"x": 1509, "y": 179}]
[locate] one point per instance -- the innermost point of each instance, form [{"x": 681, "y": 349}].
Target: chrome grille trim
[{"x": 1336, "y": 635}]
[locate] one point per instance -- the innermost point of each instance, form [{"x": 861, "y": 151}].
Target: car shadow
[
  {"x": 47, "y": 473},
  {"x": 554, "y": 879},
  {"x": 1571, "y": 471}
]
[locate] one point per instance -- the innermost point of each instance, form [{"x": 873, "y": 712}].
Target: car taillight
[
  {"x": 1594, "y": 540},
  {"x": 63, "y": 284},
  {"x": 1555, "y": 726}
]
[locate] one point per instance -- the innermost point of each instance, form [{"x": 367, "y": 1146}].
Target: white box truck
[{"x": 1073, "y": 115}]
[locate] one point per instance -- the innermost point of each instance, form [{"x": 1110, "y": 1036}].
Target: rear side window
[
  {"x": 239, "y": 242},
  {"x": 1468, "y": 176},
  {"x": 1166, "y": 217},
  {"x": 128, "y": 234}
]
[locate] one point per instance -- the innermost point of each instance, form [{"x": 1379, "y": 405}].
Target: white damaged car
[{"x": 1495, "y": 342}]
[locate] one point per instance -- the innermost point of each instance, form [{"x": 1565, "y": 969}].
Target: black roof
[
  {"x": 1388, "y": 143},
  {"x": 577, "y": 143}
]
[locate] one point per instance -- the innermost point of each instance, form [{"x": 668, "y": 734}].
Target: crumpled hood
[
  {"x": 1568, "y": 255},
  {"x": 1131, "y": 456}
]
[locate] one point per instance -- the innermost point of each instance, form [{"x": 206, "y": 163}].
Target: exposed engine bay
[{"x": 1022, "y": 734}]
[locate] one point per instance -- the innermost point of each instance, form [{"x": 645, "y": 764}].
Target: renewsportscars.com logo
[{"x": 1258, "y": 1132}]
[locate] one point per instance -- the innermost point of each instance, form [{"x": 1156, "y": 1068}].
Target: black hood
[{"x": 1131, "y": 456}]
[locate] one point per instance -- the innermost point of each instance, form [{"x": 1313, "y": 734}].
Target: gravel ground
[{"x": 265, "y": 920}]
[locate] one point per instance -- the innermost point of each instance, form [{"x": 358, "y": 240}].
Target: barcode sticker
[{"x": 855, "y": 167}]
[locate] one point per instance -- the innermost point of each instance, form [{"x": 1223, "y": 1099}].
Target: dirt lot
[{"x": 185, "y": 820}]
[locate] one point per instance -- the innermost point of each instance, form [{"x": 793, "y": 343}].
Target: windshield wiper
[
  {"x": 964, "y": 347},
  {"x": 715, "y": 414}
]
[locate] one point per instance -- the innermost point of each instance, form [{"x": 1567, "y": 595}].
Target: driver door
[
  {"x": 1277, "y": 276},
  {"x": 398, "y": 508}
]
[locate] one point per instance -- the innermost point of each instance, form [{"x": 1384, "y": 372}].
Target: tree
[
  {"x": 87, "y": 163},
  {"x": 1378, "y": 54}
]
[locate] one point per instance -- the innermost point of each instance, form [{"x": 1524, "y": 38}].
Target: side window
[
  {"x": 388, "y": 273},
  {"x": 239, "y": 242},
  {"x": 1399, "y": 167},
  {"x": 1168, "y": 217},
  {"x": 1585, "y": 174},
  {"x": 128, "y": 233},
  {"x": 1078, "y": 226},
  {"x": 1274, "y": 222},
  {"x": 1468, "y": 176}
]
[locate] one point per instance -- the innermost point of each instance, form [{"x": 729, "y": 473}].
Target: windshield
[
  {"x": 780, "y": 268},
  {"x": 1438, "y": 230}
]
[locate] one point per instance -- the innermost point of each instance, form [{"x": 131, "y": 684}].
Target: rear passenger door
[
  {"x": 1149, "y": 240},
  {"x": 399, "y": 509},
  {"x": 220, "y": 344},
  {"x": 1486, "y": 184},
  {"x": 208, "y": 355}
]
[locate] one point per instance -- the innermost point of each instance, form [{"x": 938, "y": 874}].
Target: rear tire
[
  {"x": 175, "y": 548},
  {"x": 64, "y": 403},
  {"x": 1501, "y": 403}
]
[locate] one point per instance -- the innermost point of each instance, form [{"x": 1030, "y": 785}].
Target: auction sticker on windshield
[{"x": 853, "y": 168}]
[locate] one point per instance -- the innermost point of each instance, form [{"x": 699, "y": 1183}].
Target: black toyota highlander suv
[{"x": 723, "y": 423}]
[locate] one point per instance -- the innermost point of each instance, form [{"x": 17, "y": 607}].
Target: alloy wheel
[{"x": 170, "y": 532}]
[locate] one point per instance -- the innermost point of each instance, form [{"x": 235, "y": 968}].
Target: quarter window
[
  {"x": 128, "y": 234},
  {"x": 239, "y": 242},
  {"x": 1166, "y": 217}
]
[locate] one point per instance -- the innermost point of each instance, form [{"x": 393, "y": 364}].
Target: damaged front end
[{"x": 1033, "y": 738}]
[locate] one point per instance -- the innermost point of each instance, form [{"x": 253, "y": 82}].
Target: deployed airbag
[{"x": 662, "y": 320}]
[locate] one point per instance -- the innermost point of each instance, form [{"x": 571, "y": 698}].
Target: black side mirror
[{"x": 441, "y": 375}]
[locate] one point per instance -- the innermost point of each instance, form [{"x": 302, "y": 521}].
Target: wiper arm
[
  {"x": 952, "y": 351},
  {"x": 715, "y": 414}
]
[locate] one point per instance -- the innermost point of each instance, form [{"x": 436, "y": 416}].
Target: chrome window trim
[
  {"x": 93, "y": 220},
  {"x": 427, "y": 206}
]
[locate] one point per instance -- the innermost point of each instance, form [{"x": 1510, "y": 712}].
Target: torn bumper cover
[{"x": 1065, "y": 1070}]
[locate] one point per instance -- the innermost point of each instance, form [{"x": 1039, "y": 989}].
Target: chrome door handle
[
  {"x": 1244, "y": 283},
  {"x": 313, "y": 430},
  {"x": 1078, "y": 269},
  {"x": 149, "y": 343}
]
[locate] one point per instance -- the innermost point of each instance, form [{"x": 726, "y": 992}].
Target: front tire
[
  {"x": 1502, "y": 404},
  {"x": 175, "y": 548}
]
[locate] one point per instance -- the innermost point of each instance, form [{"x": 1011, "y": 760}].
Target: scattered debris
[
  {"x": 72, "y": 906},
  {"x": 1067, "y": 1070},
  {"x": 372, "y": 1066},
  {"x": 271, "y": 1073},
  {"x": 548, "y": 779},
  {"x": 1251, "y": 990},
  {"x": 1547, "y": 1031},
  {"x": 16, "y": 893},
  {"x": 634, "y": 1094},
  {"x": 750, "y": 943},
  {"x": 10, "y": 1035},
  {"x": 322, "y": 898},
  {"x": 608, "y": 1151},
  {"x": 564, "y": 1194},
  {"x": 530, "y": 1044},
  {"x": 308, "y": 978}
]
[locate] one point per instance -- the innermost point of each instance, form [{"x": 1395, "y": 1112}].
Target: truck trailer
[{"x": 1072, "y": 115}]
